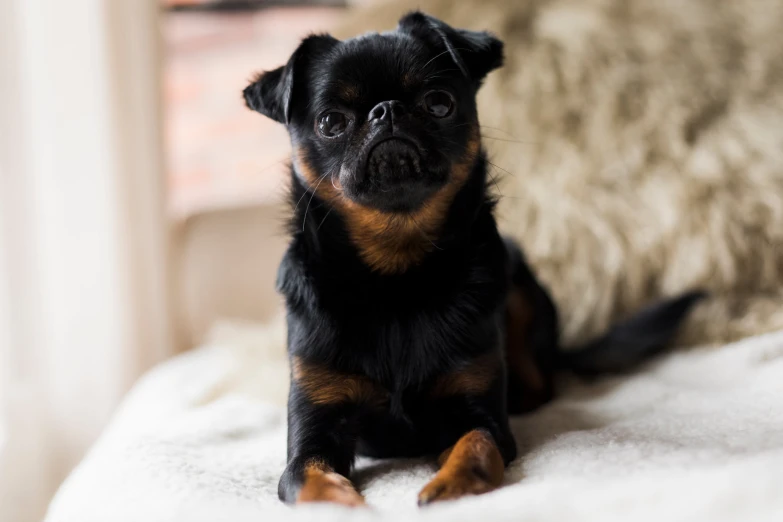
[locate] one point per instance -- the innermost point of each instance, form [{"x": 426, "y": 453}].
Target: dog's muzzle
[{"x": 392, "y": 162}]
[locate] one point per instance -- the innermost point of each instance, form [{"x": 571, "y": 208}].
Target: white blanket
[{"x": 697, "y": 435}]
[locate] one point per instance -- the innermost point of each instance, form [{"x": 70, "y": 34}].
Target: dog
[{"x": 414, "y": 327}]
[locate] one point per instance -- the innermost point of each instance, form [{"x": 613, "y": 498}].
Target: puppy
[{"x": 414, "y": 328}]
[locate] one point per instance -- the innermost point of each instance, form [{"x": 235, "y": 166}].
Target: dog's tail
[{"x": 631, "y": 341}]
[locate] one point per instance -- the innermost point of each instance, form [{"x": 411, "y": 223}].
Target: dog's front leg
[
  {"x": 323, "y": 424},
  {"x": 474, "y": 465},
  {"x": 473, "y": 414},
  {"x": 321, "y": 446}
]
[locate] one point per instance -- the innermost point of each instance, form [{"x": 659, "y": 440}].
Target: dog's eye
[
  {"x": 438, "y": 103},
  {"x": 332, "y": 124}
]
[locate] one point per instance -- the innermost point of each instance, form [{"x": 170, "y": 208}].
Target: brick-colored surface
[{"x": 218, "y": 152}]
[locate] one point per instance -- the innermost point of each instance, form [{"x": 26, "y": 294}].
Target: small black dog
[{"x": 413, "y": 327}]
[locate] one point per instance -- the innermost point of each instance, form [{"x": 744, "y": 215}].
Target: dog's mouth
[
  {"x": 393, "y": 161},
  {"x": 394, "y": 176}
]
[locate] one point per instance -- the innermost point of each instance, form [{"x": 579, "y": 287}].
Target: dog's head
[{"x": 386, "y": 120}]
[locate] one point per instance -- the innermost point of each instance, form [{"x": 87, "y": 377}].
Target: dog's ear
[
  {"x": 476, "y": 53},
  {"x": 272, "y": 92}
]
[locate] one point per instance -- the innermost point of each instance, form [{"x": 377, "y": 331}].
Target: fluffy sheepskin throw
[{"x": 638, "y": 149}]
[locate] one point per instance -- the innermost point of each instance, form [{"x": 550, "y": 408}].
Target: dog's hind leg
[{"x": 531, "y": 337}]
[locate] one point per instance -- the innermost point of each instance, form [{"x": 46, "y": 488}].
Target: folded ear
[
  {"x": 476, "y": 53},
  {"x": 272, "y": 92}
]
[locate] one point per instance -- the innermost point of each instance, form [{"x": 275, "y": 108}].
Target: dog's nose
[{"x": 386, "y": 111}]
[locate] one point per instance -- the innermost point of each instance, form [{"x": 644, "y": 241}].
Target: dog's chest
[
  {"x": 403, "y": 335},
  {"x": 401, "y": 332},
  {"x": 407, "y": 354}
]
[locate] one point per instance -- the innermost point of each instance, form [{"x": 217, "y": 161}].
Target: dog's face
[{"x": 383, "y": 118}]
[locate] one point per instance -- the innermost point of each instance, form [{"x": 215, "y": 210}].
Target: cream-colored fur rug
[
  {"x": 696, "y": 437},
  {"x": 640, "y": 146}
]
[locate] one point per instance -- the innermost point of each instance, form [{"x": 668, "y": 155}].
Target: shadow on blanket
[{"x": 530, "y": 432}]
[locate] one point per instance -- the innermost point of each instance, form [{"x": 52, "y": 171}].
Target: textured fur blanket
[
  {"x": 639, "y": 150},
  {"x": 697, "y": 436}
]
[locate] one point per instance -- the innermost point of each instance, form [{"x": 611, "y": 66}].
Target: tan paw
[
  {"x": 330, "y": 487},
  {"x": 453, "y": 485}
]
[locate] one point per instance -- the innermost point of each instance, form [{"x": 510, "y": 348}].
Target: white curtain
[{"x": 84, "y": 295}]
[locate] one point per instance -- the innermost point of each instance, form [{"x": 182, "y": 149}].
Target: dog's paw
[
  {"x": 453, "y": 485},
  {"x": 330, "y": 487}
]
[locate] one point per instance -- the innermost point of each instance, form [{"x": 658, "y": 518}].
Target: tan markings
[
  {"x": 324, "y": 189},
  {"x": 474, "y": 378},
  {"x": 347, "y": 92},
  {"x": 392, "y": 243},
  {"x": 324, "y": 386},
  {"x": 528, "y": 384},
  {"x": 322, "y": 484},
  {"x": 443, "y": 457},
  {"x": 471, "y": 467},
  {"x": 519, "y": 353},
  {"x": 408, "y": 79}
]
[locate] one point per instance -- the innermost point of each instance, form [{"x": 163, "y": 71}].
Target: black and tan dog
[{"x": 413, "y": 327}]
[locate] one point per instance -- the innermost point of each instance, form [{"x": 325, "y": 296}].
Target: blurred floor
[{"x": 220, "y": 154}]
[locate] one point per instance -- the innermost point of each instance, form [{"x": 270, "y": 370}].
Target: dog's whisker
[
  {"x": 307, "y": 190},
  {"x": 461, "y": 125},
  {"x": 434, "y": 58},
  {"x": 498, "y": 129},
  {"x": 320, "y": 180},
  {"x": 510, "y": 141},
  {"x": 441, "y": 71},
  {"x": 296, "y": 207},
  {"x": 424, "y": 234},
  {"x": 495, "y": 182},
  {"x": 447, "y": 51},
  {"x": 500, "y": 168},
  {"x": 324, "y": 219}
]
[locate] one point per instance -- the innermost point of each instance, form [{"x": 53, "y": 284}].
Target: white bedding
[{"x": 697, "y": 435}]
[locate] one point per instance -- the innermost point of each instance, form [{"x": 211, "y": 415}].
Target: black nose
[{"x": 386, "y": 111}]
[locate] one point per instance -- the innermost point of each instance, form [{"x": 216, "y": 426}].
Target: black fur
[
  {"x": 404, "y": 331},
  {"x": 631, "y": 341}
]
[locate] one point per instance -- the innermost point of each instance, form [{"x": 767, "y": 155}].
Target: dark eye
[
  {"x": 439, "y": 103},
  {"x": 332, "y": 124}
]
